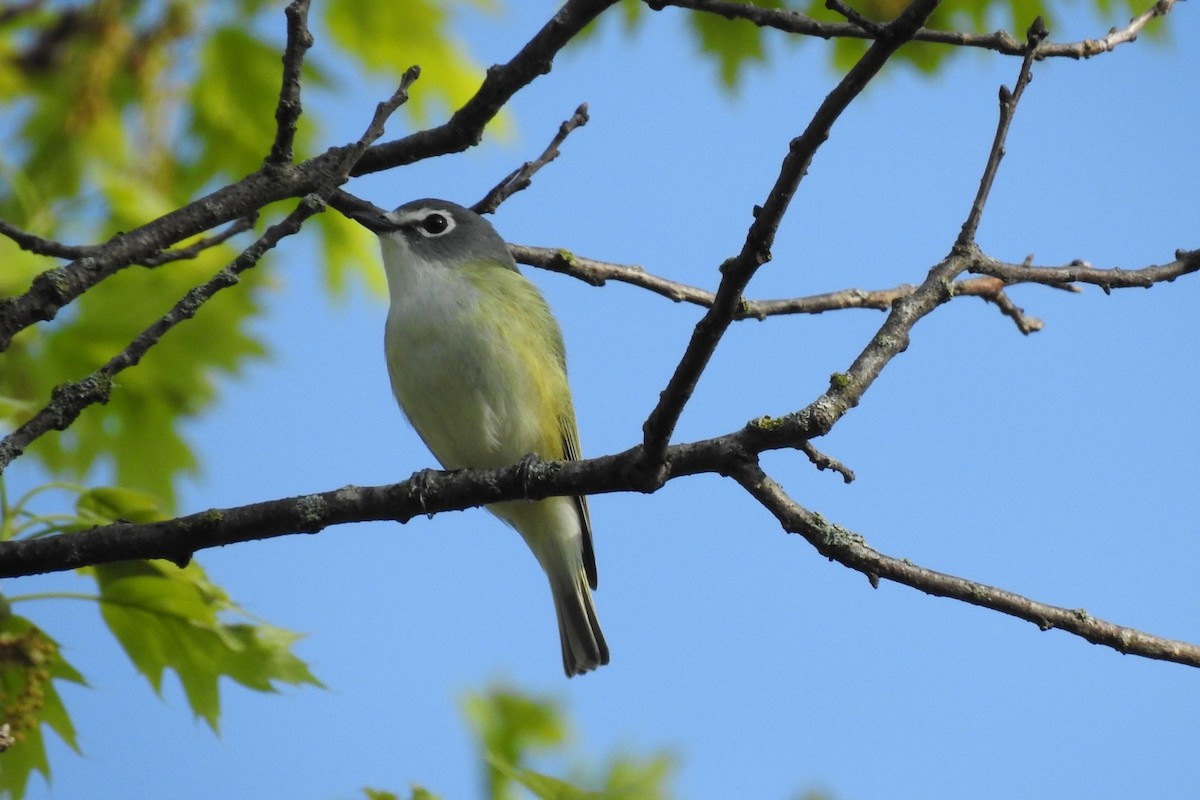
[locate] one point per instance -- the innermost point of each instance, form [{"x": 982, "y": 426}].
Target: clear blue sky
[{"x": 1061, "y": 465}]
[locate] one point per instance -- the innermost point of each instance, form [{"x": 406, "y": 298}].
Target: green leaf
[
  {"x": 230, "y": 115},
  {"x": 175, "y": 379},
  {"x": 508, "y": 724},
  {"x": 379, "y": 794},
  {"x": 171, "y": 618},
  {"x": 418, "y": 793},
  {"x": 106, "y": 504},
  {"x": 733, "y": 43},
  {"x": 543, "y": 786},
  {"x": 388, "y": 38},
  {"x": 639, "y": 778},
  {"x": 30, "y": 663},
  {"x": 349, "y": 251}
]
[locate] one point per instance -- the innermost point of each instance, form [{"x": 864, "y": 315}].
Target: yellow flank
[{"x": 508, "y": 295}]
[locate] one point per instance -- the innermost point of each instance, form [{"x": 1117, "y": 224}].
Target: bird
[{"x": 477, "y": 365}]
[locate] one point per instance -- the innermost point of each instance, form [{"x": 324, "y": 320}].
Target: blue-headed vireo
[{"x": 477, "y": 364}]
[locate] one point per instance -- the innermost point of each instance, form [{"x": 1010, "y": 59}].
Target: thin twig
[
  {"x": 289, "y": 109},
  {"x": 465, "y": 126},
  {"x": 520, "y": 178},
  {"x": 1025, "y": 324},
  {"x": 69, "y": 400},
  {"x": 851, "y": 550},
  {"x": 597, "y": 273},
  {"x": 1003, "y": 42},
  {"x": 824, "y": 462},
  {"x": 200, "y": 245},
  {"x": 873, "y": 29},
  {"x": 1008, "y": 106},
  {"x": 1186, "y": 262},
  {"x": 44, "y": 247},
  {"x": 737, "y": 271}
]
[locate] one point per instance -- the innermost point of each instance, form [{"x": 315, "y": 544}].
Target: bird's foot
[
  {"x": 525, "y": 469},
  {"x": 422, "y": 485}
]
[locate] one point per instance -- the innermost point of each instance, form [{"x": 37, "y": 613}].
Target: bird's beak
[
  {"x": 369, "y": 215},
  {"x": 375, "y": 221}
]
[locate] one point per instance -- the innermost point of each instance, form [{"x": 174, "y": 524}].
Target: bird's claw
[
  {"x": 422, "y": 485},
  {"x": 525, "y": 470}
]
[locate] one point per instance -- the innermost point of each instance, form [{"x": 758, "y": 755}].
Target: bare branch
[
  {"x": 1008, "y": 308},
  {"x": 1008, "y": 107},
  {"x": 521, "y": 178},
  {"x": 1001, "y": 41},
  {"x": 824, "y": 462},
  {"x": 851, "y": 550},
  {"x": 465, "y": 127},
  {"x": 642, "y": 468},
  {"x": 1186, "y": 262},
  {"x": 597, "y": 273},
  {"x": 733, "y": 455},
  {"x": 756, "y": 251},
  {"x": 196, "y": 248},
  {"x": 288, "y": 109},
  {"x": 938, "y": 288},
  {"x": 44, "y": 247},
  {"x": 871, "y": 28},
  {"x": 70, "y": 399}
]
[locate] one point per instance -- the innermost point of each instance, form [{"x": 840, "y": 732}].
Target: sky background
[{"x": 1061, "y": 465}]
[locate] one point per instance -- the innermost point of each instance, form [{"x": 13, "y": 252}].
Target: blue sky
[{"x": 1060, "y": 465}]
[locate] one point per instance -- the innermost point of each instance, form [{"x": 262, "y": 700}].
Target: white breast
[{"x": 459, "y": 383}]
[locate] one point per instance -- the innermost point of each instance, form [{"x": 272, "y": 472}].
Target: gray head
[{"x": 438, "y": 230}]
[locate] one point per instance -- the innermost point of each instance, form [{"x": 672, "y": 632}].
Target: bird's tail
[
  {"x": 553, "y": 529},
  {"x": 583, "y": 645}
]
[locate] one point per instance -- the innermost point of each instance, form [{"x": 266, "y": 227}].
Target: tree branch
[
  {"x": 1003, "y": 42},
  {"x": 872, "y": 29},
  {"x": 44, "y": 247},
  {"x": 733, "y": 455},
  {"x": 851, "y": 550},
  {"x": 70, "y": 399},
  {"x": 1186, "y": 262},
  {"x": 465, "y": 127},
  {"x": 55, "y": 288},
  {"x": 597, "y": 273},
  {"x": 522, "y": 177},
  {"x": 1008, "y": 107},
  {"x": 196, "y": 248},
  {"x": 756, "y": 251},
  {"x": 893, "y": 337},
  {"x": 289, "y": 109}
]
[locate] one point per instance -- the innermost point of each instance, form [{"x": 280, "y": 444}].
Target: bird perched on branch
[{"x": 477, "y": 364}]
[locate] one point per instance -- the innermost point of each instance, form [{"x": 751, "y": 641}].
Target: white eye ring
[{"x": 434, "y": 224}]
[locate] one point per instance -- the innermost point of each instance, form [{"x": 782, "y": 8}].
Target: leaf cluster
[
  {"x": 164, "y": 617},
  {"x": 513, "y": 728}
]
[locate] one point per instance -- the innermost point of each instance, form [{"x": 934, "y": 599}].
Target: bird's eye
[{"x": 435, "y": 224}]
